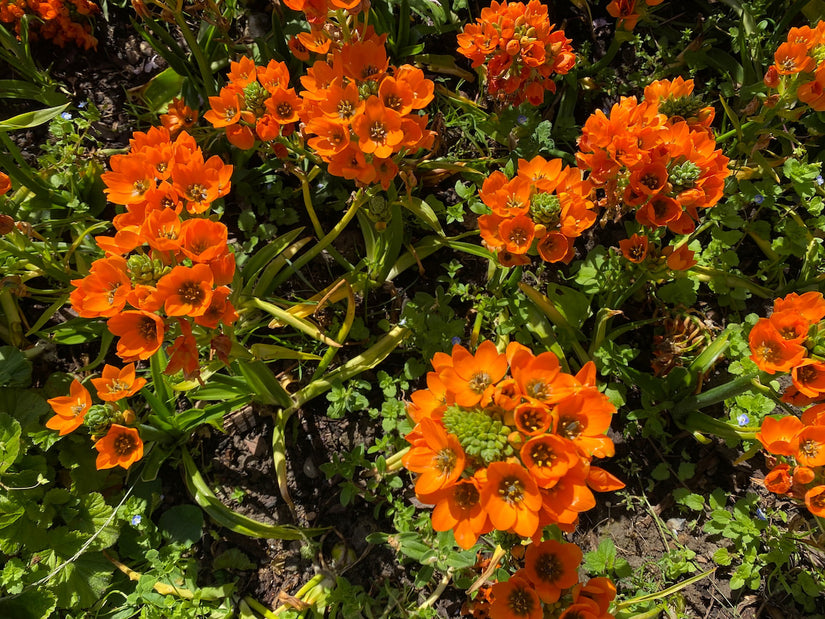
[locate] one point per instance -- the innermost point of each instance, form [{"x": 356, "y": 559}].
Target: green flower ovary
[
  {"x": 684, "y": 175},
  {"x": 481, "y": 435},
  {"x": 681, "y": 106},
  {"x": 545, "y": 208},
  {"x": 144, "y": 270}
]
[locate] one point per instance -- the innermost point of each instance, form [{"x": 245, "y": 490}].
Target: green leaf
[
  {"x": 25, "y": 406},
  {"x": 183, "y": 524},
  {"x": 660, "y": 472},
  {"x": 15, "y": 368},
  {"x": 232, "y": 559},
  {"x": 32, "y": 604},
  {"x": 571, "y": 303},
  {"x": 82, "y": 582},
  {"x": 31, "y": 119},
  {"x": 685, "y": 497},
  {"x": 262, "y": 384},
  {"x": 9, "y": 441},
  {"x": 722, "y": 557}
]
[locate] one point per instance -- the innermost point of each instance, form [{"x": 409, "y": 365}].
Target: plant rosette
[{"x": 504, "y": 441}]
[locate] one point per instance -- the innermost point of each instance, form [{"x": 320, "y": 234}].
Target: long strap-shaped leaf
[{"x": 231, "y": 519}]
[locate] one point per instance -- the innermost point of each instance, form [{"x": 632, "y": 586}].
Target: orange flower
[
  {"x": 779, "y": 479},
  {"x": 780, "y": 436},
  {"x": 811, "y": 450},
  {"x": 809, "y": 377},
  {"x": 814, "y": 416},
  {"x": 458, "y": 507},
  {"x": 178, "y": 116},
  {"x": 364, "y": 60},
  {"x": 810, "y": 305},
  {"x": 121, "y": 446},
  {"x": 103, "y": 292},
  {"x": 552, "y": 566},
  {"x": 803, "y": 475},
  {"x": 202, "y": 240},
  {"x": 511, "y": 498},
  {"x": 635, "y": 248},
  {"x": 791, "y": 58},
  {"x": 5, "y": 183},
  {"x": 220, "y": 310},
  {"x": 186, "y": 291},
  {"x": 141, "y": 334},
  {"x": 130, "y": 178},
  {"x": 70, "y": 409},
  {"x": 540, "y": 378},
  {"x": 226, "y": 109},
  {"x": 472, "y": 377},
  {"x": 532, "y": 418},
  {"x": 183, "y": 353},
  {"x": 515, "y": 599},
  {"x": 284, "y": 105},
  {"x": 438, "y": 458},
  {"x": 770, "y": 351},
  {"x": 517, "y": 233},
  {"x": 815, "y": 500},
  {"x": 548, "y": 458},
  {"x": 116, "y": 384},
  {"x": 378, "y": 128},
  {"x": 792, "y": 326}
]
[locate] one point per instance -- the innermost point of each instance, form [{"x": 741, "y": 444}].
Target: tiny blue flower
[
  {"x": 743, "y": 419},
  {"x": 522, "y": 119},
  {"x": 81, "y": 105},
  {"x": 758, "y": 198},
  {"x": 760, "y": 514},
  {"x": 136, "y": 520},
  {"x": 455, "y": 340},
  {"x": 66, "y": 116},
  {"x": 820, "y": 180}
]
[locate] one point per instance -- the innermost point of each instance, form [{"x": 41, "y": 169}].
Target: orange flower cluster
[
  {"x": 657, "y": 157},
  {"x": 56, "y": 20},
  {"x": 256, "y": 103},
  {"x": 544, "y": 209},
  {"x": 118, "y": 444},
  {"x": 781, "y": 344},
  {"x": 628, "y": 12},
  {"x": 799, "y": 63},
  {"x": 178, "y": 117},
  {"x": 362, "y": 112},
  {"x": 504, "y": 441},
  {"x": 520, "y": 48},
  {"x": 637, "y": 248},
  {"x": 799, "y": 445},
  {"x": 550, "y": 577},
  {"x": 180, "y": 265}
]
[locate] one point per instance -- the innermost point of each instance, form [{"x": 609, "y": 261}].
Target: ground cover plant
[{"x": 416, "y": 308}]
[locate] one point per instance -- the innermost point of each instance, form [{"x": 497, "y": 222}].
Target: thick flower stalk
[
  {"x": 520, "y": 49},
  {"x": 656, "y": 159},
  {"x": 505, "y": 442},
  {"x": 799, "y": 66},
  {"x": 167, "y": 268},
  {"x": 543, "y": 209}
]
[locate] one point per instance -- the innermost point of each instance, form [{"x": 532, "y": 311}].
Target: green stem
[
  {"x": 197, "y": 52},
  {"x": 729, "y": 134},
  {"x": 714, "y": 396},
  {"x": 360, "y": 198},
  {"x": 9, "y": 307},
  {"x": 707, "y": 274}
]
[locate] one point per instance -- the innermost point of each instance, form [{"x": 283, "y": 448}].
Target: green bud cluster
[
  {"x": 545, "y": 208},
  {"x": 254, "y": 96},
  {"x": 98, "y": 419},
  {"x": 481, "y": 434},
  {"x": 378, "y": 209},
  {"x": 684, "y": 107},
  {"x": 145, "y": 270},
  {"x": 684, "y": 175}
]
